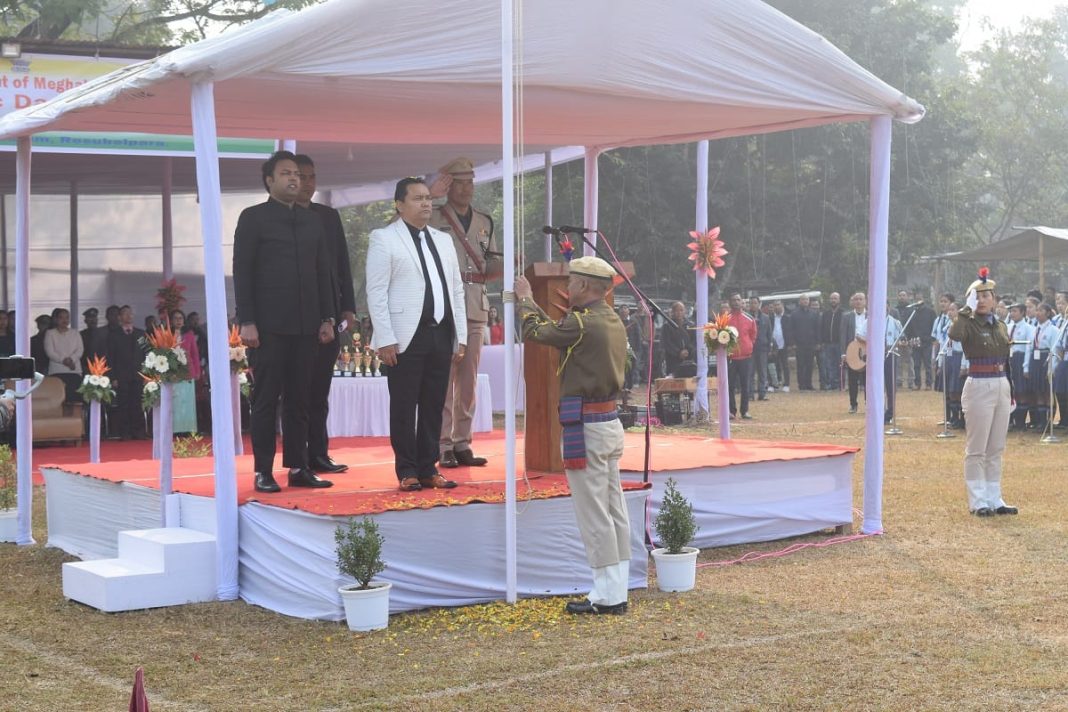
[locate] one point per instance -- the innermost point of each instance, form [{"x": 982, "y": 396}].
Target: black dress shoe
[
  {"x": 467, "y": 458},
  {"x": 1007, "y": 509},
  {"x": 448, "y": 459},
  {"x": 325, "y": 464},
  {"x": 587, "y": 606},
  {"x": 303, "y": 477},
  {"x": 983, "y": 512},
  {"x": 265, "y": 483}
]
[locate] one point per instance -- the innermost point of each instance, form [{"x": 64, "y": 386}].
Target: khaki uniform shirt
[
  {"x": 593, "y": 345},
  {"x": 980, "y": 338},
  {"x": 480, "y": 232}
]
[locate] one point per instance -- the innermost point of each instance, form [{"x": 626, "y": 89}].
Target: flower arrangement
[
  {"x": 169, "y": 297},
  {"x": 96, "y": 385},
  {"x": 166, "y": 360},
  {"x": 238, "y": 353},
  {"x": 706, "y": 251},
  {"x": 721, "y": 333},
  {"x": 567, "y": 248},
  {"x": 244, "y": 383},
  {"x": 150, "y": 393}
]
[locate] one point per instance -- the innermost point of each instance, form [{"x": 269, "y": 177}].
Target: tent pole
[
  {"x": 24, "y": 409},
  {"x": 508, "y": 220},
  {"x": 878, "y": 217},
  {"x": 168, "y": 223},
  {"x": 222, "y": 424},
  {"x": 74, "y": 252},
  {"x": 3, "y": 248},
  {"x": 700, "y": 397},
  {"x": 590, "y": 197},
  {"x": 1042, "y": 264},
  {"x": 548, "y": 204}
]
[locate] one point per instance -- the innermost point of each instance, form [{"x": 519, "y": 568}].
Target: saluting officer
[
  {"x": 472, "y": 235},
  {"x": 593, "y": 345},
  {"x": 986, "y": 398}
]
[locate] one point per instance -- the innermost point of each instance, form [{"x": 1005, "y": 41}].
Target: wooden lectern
[{"x": 548, "y": 280}]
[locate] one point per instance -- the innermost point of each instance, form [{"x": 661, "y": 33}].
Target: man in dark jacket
[
  {"x": 830, "y": 337},
  {"x": 761, "y": 349},
  {"x": 921, "y": 326},
  {"x": 677, "y": 341},
  {"x": 125, "y": 352},
  {"x": 780, "y": 342},
  {"x": 804, "y": 329},
  {"x": 283, "y": 289}
]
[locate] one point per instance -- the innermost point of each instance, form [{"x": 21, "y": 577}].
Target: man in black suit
[
  {"x": 344, "y": 311},
  {"x": 854, "y": 325},
  {"x": 125, "y": 352},
  {"x": 780, "y": 342},
  {"x": 921, "y": 326},
  {"x": 677, "y": 341},
  {"x": 282, "y": 286},
  {"x": 761, "y": 349},
  {"x": 805, "y": 330}
]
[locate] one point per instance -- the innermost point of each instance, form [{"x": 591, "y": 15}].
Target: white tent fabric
[
  {"x": 597, "y": 74},
  {"x": 361, "y": 71}
]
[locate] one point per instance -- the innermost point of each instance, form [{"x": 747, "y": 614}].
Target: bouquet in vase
[
  {"x": 150, "y": 392},
  {"x": 244, "y": 383},
  {"x": 721, "y": 333},
  {"x": 238, "y": 354},
  {"x": 96, "y": 385},
  {"x": 166, "y": 360}
]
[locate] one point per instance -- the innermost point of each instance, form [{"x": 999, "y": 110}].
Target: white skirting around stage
[
  {"x": 359, "y": 406},
  {"x": 443, "y": 556},
  {"x": 491, "y": 363},
  {"x": 762, "y": 501}
]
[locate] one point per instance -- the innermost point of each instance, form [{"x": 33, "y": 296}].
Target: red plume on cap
[{"x": 984, "y": 272}]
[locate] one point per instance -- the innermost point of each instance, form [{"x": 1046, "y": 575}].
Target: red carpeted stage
[{"x": 444, "y": 547}]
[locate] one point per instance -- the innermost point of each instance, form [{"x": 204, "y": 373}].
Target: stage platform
[{"x": 445, "y": 547}]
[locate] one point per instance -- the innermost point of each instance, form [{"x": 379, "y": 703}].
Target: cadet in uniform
[
  {"x": 1020, "y": 335},
  {"x": 593, "y": 345},
  {"x": 986, "y": 398},
  {"x": 472, "y": 235}
]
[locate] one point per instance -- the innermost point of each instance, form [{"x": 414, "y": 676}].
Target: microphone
[
  {"x": 550, "y": 230},
  {"x": 577, "y": 230}
]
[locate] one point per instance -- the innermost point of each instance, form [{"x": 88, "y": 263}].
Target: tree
[{"x": 131, "y": 22}]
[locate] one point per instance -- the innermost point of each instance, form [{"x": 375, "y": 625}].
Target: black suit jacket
[
  {"x": 125, "y": 353},
  {"x": 338, "y": 258},
  {"x": 804, "y": 327},
  {"x": 282, "y": 277},
  {"x": 849, "y": 329}
]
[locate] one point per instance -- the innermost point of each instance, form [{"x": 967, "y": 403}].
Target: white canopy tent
[{"x": 361, "y": 73}]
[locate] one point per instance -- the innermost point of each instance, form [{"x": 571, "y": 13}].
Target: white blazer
[{"x": 395, "y": 285}]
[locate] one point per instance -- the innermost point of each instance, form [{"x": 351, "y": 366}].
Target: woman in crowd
[
  {"x": 496, "y": 328},
  {"x": 63, "y": 346},
  {"x": 185, "y": 405}
]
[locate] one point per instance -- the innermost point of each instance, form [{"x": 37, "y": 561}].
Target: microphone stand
[
  {"x": 893, "y": 429},
  {"x": 945, "y": 398}
]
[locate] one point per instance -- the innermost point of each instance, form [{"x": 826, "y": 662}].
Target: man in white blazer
[{"x": 415, "y": 296}]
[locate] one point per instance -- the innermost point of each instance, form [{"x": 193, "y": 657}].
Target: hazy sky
[{"x": 1001, "y": 14}]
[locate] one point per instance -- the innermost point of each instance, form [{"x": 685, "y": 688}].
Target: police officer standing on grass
[
  {"x": 593, "y": 353},
  {"x": 987, "y": 396}
]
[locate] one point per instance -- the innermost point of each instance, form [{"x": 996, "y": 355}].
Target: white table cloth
[
  {"x": 359, "y": 405},
  {"x": 491, "y": 363}
]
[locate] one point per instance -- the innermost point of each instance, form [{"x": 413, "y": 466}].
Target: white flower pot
[
  {"x": 366, "y": 609},
  {"x": 676, "y": 572},
  {"x": 9, "y": 524}
]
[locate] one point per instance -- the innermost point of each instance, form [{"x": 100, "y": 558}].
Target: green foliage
[
  {"x": 359, "y": 550},
  {"x": 8, "y": 478},
  {"x": 192, "y": 446},
  {"x": 675, "y": 524}
]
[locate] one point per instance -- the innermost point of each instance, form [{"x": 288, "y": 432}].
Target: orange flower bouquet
[
  {"x": 96, "y": 385},
  {"x": 238, "y": 353},
  {"x": 166, "y": 360},
  {"x": 721, "y": 333}
]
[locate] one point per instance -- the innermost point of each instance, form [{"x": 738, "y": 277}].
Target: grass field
[{"x": 945, "y": 611}]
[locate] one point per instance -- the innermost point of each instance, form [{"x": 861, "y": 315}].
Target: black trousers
[
  {"x": 805, "y": 358},
  {"x": 128, "y": 417},
  {"x": 856, "y": 379},
  {"x": 921, "y": 360},
  {"x": 319, "y": 398},
  {"x": 281, "y": 368},
  {"x": 738, "y": 371},
  {"x": 417, "y": 386}
]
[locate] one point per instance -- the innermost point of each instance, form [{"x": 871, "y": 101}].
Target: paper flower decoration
[{"x": 706, "y": 251}]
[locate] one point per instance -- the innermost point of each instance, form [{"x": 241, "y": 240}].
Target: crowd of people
[{"x": 825, "y": 345}]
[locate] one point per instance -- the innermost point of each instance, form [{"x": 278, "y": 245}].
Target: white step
[{"x": 155, "y": 568}]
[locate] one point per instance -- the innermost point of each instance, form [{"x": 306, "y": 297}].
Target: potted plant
[
  {"x": 8, "y": 512},
  {"x": 359, "y": 556},
  {"x": 676, "y": 562}
]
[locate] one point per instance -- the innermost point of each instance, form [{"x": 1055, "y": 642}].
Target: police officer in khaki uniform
[
  {"x": 593, "y": 345},
  {"x": 472, "y": 235},
  {"x": 987, "y": 396}
]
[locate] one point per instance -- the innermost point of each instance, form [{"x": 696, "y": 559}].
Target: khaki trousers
[
  {"x": 598, "y": 496},
  {"x": 459, "y": 412},
  {"x": 986, "y": 419}
]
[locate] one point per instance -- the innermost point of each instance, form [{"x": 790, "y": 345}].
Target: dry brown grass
[{"x": 945, "y": 611}]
